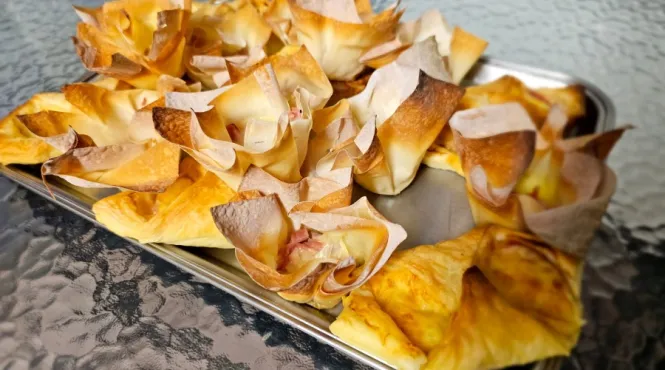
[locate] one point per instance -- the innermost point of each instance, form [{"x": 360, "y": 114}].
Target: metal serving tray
[{"x": 414, "y": 209}]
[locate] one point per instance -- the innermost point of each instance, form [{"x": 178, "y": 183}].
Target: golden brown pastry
[
  {"x": 219, "y": 34},
  {"x": 167, "y": 84},
  {"x": 148, "y": 167},
  {"x": 460, "y": 48},
  {"x": 365, "y": 325},
  {"x": 49, "y": 124},
  {"x": 308, "y": 257},
  {"x": 488, "y": 299},
  {"x": 294, "y": 67},
  {"x": 19, "y": 145},
  {"x": 338, "y": 142},
  {"x": 536, "y": 180},
  {"x": 92, "y": 141},
  {"x": 347, "y": 89},
  {"x": 108, "y": 114},
  {"x": 251, "y": 123},
  {"x": 338, "y": 32},
  {"x": 537, "y": 102},
  {"x": 213, "y": 70},
  {"x": 101, "y": 147},
  {"x": 312, "y": 193},
  {"x": 278, "y": 15},
  {"x": 135, "y": 41},
  {"x": 442, "y": 158},
  {"x": 238, "y": 25},
  {"x": 180, "y": 215},
  {"x": 409, "y": 102},
  {"x": 571, "y": 98}
]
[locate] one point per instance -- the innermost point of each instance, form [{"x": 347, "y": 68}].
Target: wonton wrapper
[
  {"x": 278, "y": 15},
  {"x": 461, "y": 48},
  {"x": 52, "y": 128},
  {"x": 312, "y": 193},
  {"x": 294, "y": 67},
  {"x": 482, "y": 133},
  {"x": 251, "y": 123},
  {"x": 180, "y": 215},
  {"x": 488, "y": 299},
  {"x": 537, "y": 102},
  {"x": 230, "y": 32},
  {"x": 443, "y": 159},
  {"x": 347, "y": 89},
  {"x": 213, "y": 71},
  {"x": 108, "y": 114},
  {"x": 517, "y": 177},
  {"x": 507, "y": 89},
  {"x": 133, "y": 40},
  {"x": 101, "y": 116},
  {"x": 18, "y": 144},
  {"x": 227, "y": 28},
  {"x": 110, "y": 83},
  {"x": 411, "y": 102},
  {"x": 243, "y": 27},
  {"x": 147, "y": 167},
  {"x": 351, "y": 246},
  {"x": 41, "y": 128},
  {"x": 364, "y": 325},
  {"x": 167, "y": 84},
  {"x": 336, "y": 34},
  {"x": 203, "y": 53},
  {"x": 338, "y": 142}
]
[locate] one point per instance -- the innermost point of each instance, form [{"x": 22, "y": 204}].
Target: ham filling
[
  {"x": 295, "y": 113},
  {"x": 301, "y": 247},
  {"x": 234, "y": 133}
]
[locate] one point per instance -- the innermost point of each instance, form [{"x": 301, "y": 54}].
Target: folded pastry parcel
[
  {"x": 229, "y": 27},
  {"x": 107, "y": 116},
  {"x": 527, "y": 179},
  {"x": 20, "y": 145},
  {"x": 85, "y": 136},
  {"x": 84, "y": 114},
  {"x": 147, "y": 167},
  {"x": 537, "y": 102},
  {"x": 488, "y": 299},
  {"x": 408, "y": 101},
  {"x": 336, "y": 32},
  {"x": 278, "y": 15},
  {"x": 252, "y": 122},
  {"x": 308, "y": 257},
  {"x": 134, "y": 40},
  {"x": 180, "y": 215},
  {"x": 213, "y": 70},
  {"x": 294, "y": 67},
  {"x": 222, "y": 34},
  {"x": 460, "y": 49},
  {"x": 338, "y": 142}
]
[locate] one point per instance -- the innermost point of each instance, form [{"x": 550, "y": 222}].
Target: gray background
[{"x": 74, "y": 296}]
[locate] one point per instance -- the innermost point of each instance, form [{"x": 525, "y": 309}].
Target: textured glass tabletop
[{"x": 73, "y": 296}]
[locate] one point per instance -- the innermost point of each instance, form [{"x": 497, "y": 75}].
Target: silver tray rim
[{"x": 298, "y": 316}]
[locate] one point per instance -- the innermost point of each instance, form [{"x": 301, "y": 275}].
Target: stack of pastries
[{"x": 244, "y": 125}]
